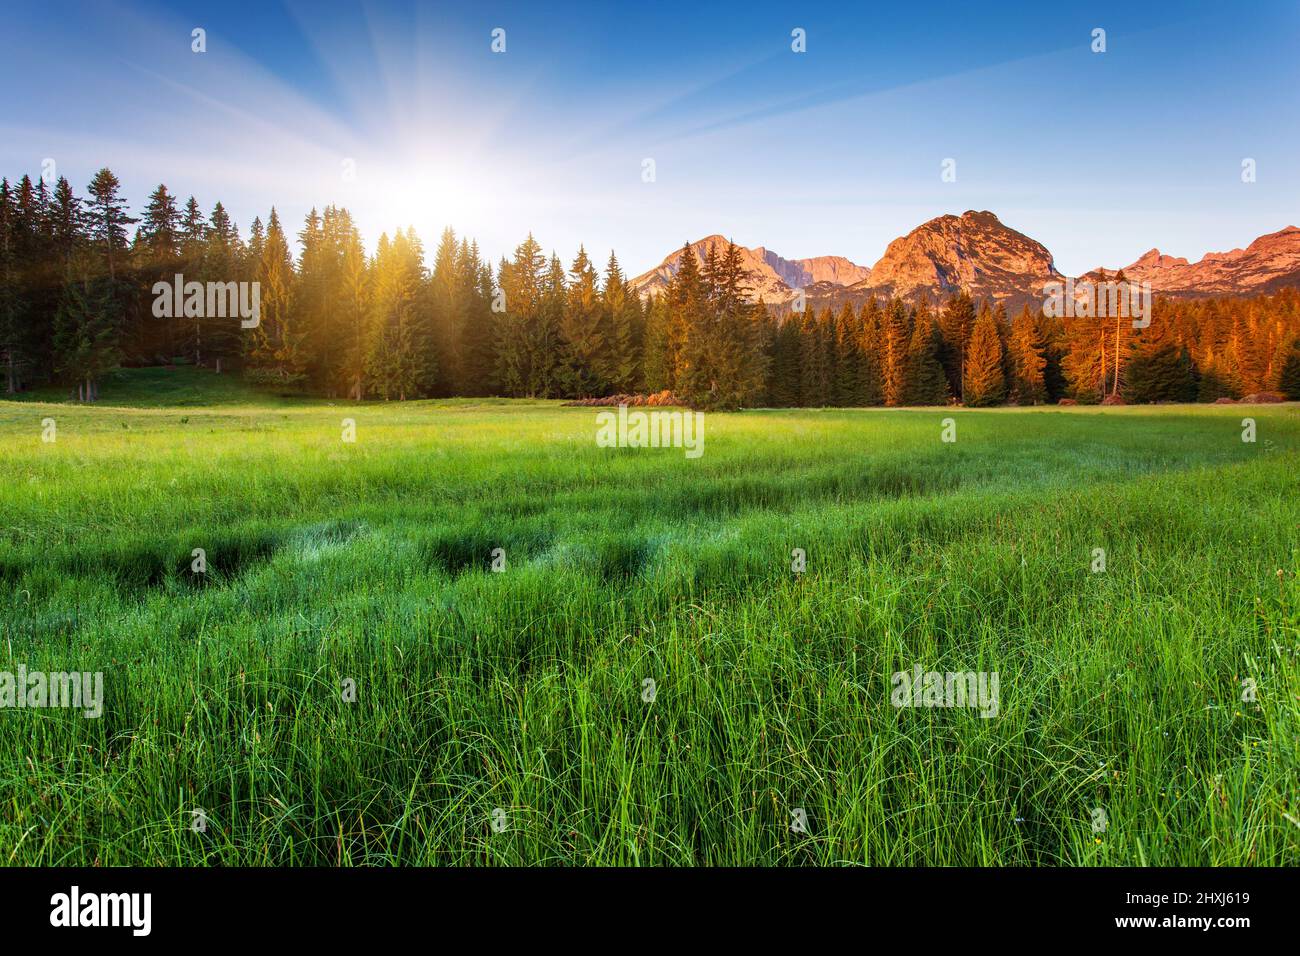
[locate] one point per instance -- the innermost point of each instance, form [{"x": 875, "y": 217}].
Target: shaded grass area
[
  {"x": 522, "y": 690},
  {"x": 163, "y": 386}
]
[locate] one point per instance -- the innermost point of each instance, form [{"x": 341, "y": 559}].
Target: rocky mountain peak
[
  {"x": 773, "y": 277},
  {"x": 1268, "y": 263},
  {"x": 974, "y": 252},
  {"x": 978, "y": 253}
]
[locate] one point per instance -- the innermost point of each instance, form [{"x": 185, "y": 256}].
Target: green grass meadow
[{"x": 522, "y": 690}]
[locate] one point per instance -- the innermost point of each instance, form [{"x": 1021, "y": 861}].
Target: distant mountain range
[
  {"x": 771, "y": 276},
  {"x": 1267, "y": 264},
  {"x": 977, "y": 252}
]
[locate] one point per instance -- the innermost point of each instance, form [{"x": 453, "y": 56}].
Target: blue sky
[{"x": 834, "y": 151}]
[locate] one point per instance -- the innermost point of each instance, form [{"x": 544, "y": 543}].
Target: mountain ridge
[
  {"x": 977, "y": 253},
  {"x": 1270, "y": 261},
  {"x": 774, "y": 277}
]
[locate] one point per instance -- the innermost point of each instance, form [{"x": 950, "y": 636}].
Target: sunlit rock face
[
  {"x": 774, "y": 278},
  {"x": 973, "y": 252},
  {"x": 1267, "y": 264}
]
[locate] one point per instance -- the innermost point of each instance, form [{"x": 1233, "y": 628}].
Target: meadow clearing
[{"x": 503, "y": 717}]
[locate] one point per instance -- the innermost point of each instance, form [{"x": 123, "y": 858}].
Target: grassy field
[{"x": 500, "y": 718}]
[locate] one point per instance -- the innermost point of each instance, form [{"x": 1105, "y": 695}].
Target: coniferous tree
[
  {"x": 583, "y": 332},
  {"x": 895, "y": 336},
  {"x": 193, "y": 234},
  {"x": 1083, "y": 361},
  {"x": 545, "y": 340},
  {"x": 158, "y": 254},
  {"x": 251, "y": 255},
  {"x": 1121, "y": 344},
  {"x": 687, "y": 299},
  {"x": 815, "y": 360},
  {"x": 390, "y": 308},
  {"x": 354, "y": 316},
  {"x": 872, "y": 385},
  {"x": 107, "y": 219},
  {"x": 221, "y": 264},
  {"x": 956, "y": 323},
  {"x": 656, "y": 365},
  {"x": 985, "y": 380},
  {"x": 424, "y": 359},
  {"x": 924, "y": 379},
  {"x": 521, "y": 282},
  {"x": 310, "y": 295},
  {"x": 87, "y": 326},
  {"x": 43, "y": 267},
  {"x": 276, "y": 346},
  {"x": 477, "y": 291},
  {"x": 1052, "y": 332},
  {"x": 1289, "y": 376},
  {"x": 1003, "y": 325},
  {"x": 1276, "y": 352},
  {"x": 399, "y": 360},
  {"x": 160, "y": 226},
  {"x": 730, "y": 353},
  {"x": 621, "y": 314},
  {"x": 347, "y": 279},
  {"x": 696, "y": 373},
  {"x": 786, "y": 388},
  {"x": 637, "y": 317},
  {"x": 14, "y": 324},
  {"x": 847, "y": 385},
  {"x": 1027, "y": 360},
  {"x": 449, "y": 315},
  {"x": 1245, "y": 364},
  {"x": 1160, "y": 368},
  {"x": 1163, "y": 373},
  {"x": 66, "y": 229},
  {"x": 66, "y": 219}
]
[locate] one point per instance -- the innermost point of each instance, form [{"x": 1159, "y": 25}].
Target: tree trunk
[
  {"x": 1103, "y": 363},
  {"x": 1116, "y": 391}
]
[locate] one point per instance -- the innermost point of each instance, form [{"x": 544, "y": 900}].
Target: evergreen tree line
[
  {"x": 76, "y": 302},
  {"x": 890, "y": 353}
]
